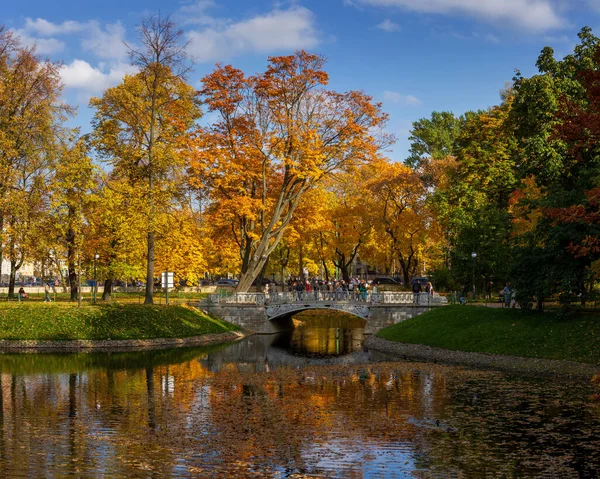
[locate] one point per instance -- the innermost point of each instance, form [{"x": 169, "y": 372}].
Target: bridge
[{"x": 270, "y": 313}]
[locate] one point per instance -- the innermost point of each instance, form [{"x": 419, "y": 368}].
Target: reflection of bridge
[{"x": 256, "y": 311}]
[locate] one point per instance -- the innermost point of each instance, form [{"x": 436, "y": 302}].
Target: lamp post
[
  {"x": 473, "y": 255},
  {"x": 96, "y": 256}
]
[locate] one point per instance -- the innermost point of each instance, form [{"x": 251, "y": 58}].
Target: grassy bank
[
  {"x": 121, "y": 321},
  {"x": 132, "y": 297},
  {"x": 503, "y": 331}
]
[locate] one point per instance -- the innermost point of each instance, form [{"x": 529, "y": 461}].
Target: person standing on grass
[
  {"x": 507, "y": 295},
  {"x": 47, "y": 292}
]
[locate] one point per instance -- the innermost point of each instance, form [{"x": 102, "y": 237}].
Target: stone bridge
[{"x": 271, "y": 313}]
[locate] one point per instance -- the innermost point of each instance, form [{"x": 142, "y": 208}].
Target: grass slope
[
  {"x": 125, "y": 321},
  {"x": 503, "y": 331}
]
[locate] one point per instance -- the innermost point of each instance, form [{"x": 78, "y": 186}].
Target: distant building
[{"x": 26, "y": 271}]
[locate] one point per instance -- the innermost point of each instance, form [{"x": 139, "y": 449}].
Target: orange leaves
[
  {"x": 278, "y": 133},
  {"x": 223, "y": 89}
]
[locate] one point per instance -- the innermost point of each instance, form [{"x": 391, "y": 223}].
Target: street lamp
[
  {"x": 473, "y": 255},
  {"x": 96, "y": 256}
]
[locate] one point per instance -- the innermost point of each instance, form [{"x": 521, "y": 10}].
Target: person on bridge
[
  {"x": 316, "y": 289},
  {"x": 416, "y": 289},
  {"x": 308, "y": 288},
  {"x": 299, "y": 290},
  {"x": 362, "y": 287}
]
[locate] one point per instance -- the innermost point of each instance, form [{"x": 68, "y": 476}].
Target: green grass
[
  {"x": 503, "y": 331},
  {"x": 136, "y": 297},
  {"x": 121, "y": 321}
]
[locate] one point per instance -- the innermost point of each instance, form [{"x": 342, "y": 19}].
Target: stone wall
[
  {"x": 248, "y": 316},
  {"x": 253, "y": 317},
  {"x": 384, "y": 315}
]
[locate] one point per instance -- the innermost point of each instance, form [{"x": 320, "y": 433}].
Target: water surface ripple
[{"x": 310, "y": 403}]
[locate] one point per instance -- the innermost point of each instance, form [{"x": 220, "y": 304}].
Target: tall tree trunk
[
  {"x": 405, "y": 273},
  {"x": 261, "y": 275},
  {"x": 150, "y": 270},
  {"x": 108, "y": 286},
  {"x": 343, "y": 264},
  {"x": 71, "y": 255},
  {"x": 325, "y": 270},
  {"x": 301, "y": 261},
  {"x": 345, "y": 272},
  {"x": 248, "y": 277},
  {"x": 12, "y": 279}
]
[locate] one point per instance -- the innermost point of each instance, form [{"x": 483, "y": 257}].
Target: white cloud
[
  {"x": 45, "y": 28},
  {"x": 395, "y": 97},
  {"x": 277, "y": 30},
  {"x": 107, "y": 43},
  {"x": 81, "y": 75},
  {"x": 489, "y": 38},
  {"x": 196, "y": 13},
  {"x": 388, "y": 26},
  {"x": 43, "y": 46},
  {"x": 534, "y": 15}
]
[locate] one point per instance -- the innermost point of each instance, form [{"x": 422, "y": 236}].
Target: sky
[{"x": 415, "y": 56}]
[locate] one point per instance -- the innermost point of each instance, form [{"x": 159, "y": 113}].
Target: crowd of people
[{"x": 338, "y": 290}]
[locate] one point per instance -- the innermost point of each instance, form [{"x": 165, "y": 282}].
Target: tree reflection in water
[{"x": 192, "y": 413}]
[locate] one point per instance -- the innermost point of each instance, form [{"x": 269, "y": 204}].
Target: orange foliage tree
[{"x": 278, "y": 134}]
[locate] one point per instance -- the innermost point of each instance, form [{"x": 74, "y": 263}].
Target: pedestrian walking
[{"x": 47, "y": 292}]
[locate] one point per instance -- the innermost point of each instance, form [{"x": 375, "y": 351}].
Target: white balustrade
[{"x": 387, "y": 297}]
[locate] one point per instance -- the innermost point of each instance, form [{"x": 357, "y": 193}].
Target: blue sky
[{"x": 416, "y": 56}]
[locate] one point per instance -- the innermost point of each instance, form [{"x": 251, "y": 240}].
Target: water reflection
[
  {"x": 254, "y": 409},
  {"x": 323, "y": 335}
]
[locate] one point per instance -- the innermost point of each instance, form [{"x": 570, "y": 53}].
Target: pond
[{"x": 307, "y": 403}]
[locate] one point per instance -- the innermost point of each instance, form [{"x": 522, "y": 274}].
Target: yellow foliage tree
[{"x": 142, "y": 126}]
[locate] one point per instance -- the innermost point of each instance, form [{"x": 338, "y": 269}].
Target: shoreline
[
  {"x": 108, "y": 345},
  {"x": 511, "y": 364}
]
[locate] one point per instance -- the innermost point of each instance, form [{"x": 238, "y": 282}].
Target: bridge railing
[{"x": 387, "y": 297}]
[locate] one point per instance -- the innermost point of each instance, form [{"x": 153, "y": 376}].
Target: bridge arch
[{"x": 278, "y": 311}]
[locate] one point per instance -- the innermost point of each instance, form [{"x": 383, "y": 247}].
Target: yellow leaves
[
  {"x": 182, "y": 247},
  {"x": 521, "y": 205}
]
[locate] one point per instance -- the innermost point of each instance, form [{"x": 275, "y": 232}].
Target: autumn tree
[
  {"x": 141, "y": 126},
  {"x": 117, "y": 232},
  {"x": 555, "y": 118},
  {"x": 278, "y": 134},
  {"x": 72, "y": 186},
  {"x": 399, "y": 209},
  {"x": 31, "y": 115}
]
